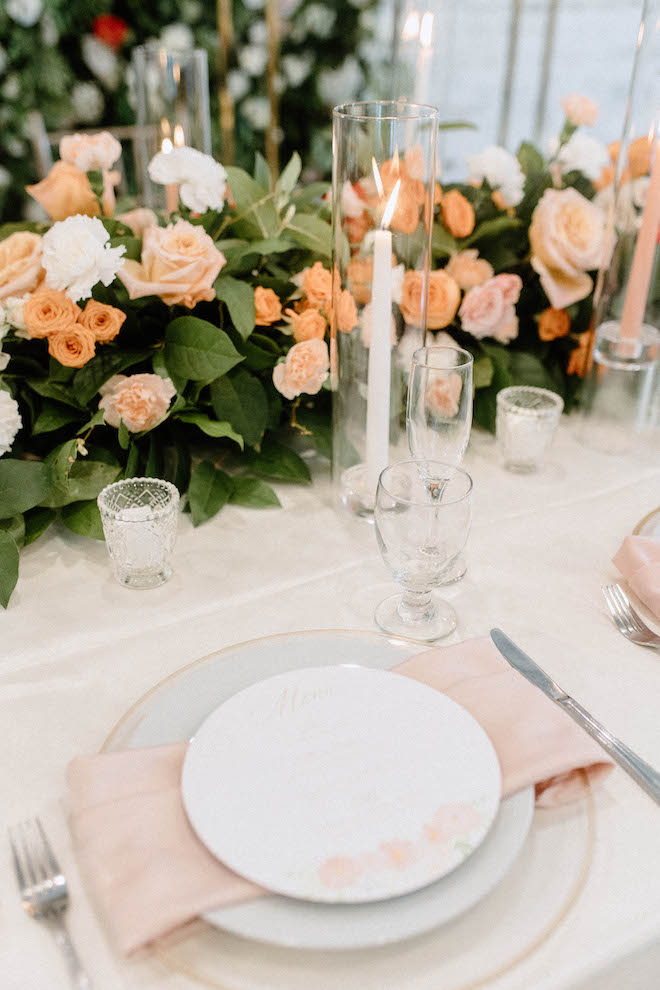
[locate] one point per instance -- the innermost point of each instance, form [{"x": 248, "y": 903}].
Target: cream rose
[
  {"x": 20, "y": 263},
  {"x": 179, "y": 263},
  {"x": 468, "y": 269},
  {"x": 568, "y": 238},
  {"x": 580, "y": 110},
  {"x": 138, "y": 219},
  {"x": 65, "y": 192},
  {"x": 140, "y": 401},
  {"x": 305, "y": 369},
  {"x": 89, "y": 152}
]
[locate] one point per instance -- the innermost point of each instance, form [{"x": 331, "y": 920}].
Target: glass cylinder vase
[
  {"x": 172, "y": 110},
  {"x": 383, "y": 185}
]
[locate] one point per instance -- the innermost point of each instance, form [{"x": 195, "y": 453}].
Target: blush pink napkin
[
  {"x": 150, "y": 874},
  {"x": 638, "y": 559}
]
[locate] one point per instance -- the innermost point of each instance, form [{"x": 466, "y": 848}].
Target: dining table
[{"x": 580, "y": 907}]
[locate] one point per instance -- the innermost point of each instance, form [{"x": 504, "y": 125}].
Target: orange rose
[
  {"x": 444, "y": 297},
  {"x": 49, "y": 311},
  {"x": 580, "y": 358},
  {"x": 267, "y": 307},
  {"x": 406, "y": 212},
  {"x": 72, "y": 347},
  {"x": 356, "y": 228},
  {"x": 317, "y": 285},
  {"x": 457, "y": 214},
  {"x": 346, "y": 312},
  {"x": 437, "y": 194},
  {"x": 308, "y": 325},
  {"x": 105, "y": 322},
  {"x": 639, "y": 157},
  {"x": 359, "y": 273},
  {"x": 553, "y": 323},
  {"x": 65, "y": 192},
  {"x": 179, "y": 263},
  {"x": 20, "y": 264}
]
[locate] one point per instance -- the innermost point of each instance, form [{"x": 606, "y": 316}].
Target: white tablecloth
[{"x": 78, "y": 650}]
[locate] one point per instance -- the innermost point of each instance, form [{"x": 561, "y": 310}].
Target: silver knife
[{"x": 639, "y": 770}]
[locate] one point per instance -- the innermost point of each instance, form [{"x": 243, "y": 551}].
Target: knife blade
[{"x": 641, "y": 772}]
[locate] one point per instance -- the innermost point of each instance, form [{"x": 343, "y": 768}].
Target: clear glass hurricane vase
[{"x": 382, "y": 209}]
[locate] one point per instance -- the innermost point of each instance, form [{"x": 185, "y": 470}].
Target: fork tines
[
  {"x": 37, "y": 871},
  {"x": 626, "y": 618}
]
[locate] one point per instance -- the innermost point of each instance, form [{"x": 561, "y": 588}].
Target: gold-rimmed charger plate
[{"x": 649, "y": 525}]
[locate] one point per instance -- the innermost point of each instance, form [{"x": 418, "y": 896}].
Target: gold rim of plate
[{"x": 642, "y": 522}]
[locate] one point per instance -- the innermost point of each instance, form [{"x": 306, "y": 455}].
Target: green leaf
[
  {"x": 277, "y": 463},
  {"x": 161, "y": 369},
  {"x": 37, "y": 522},
  {"x": 96, "y": 420},
  {"x": 84, "y": 519},
  {"x": 78, "y": 480},
  {"x": 56, "y": 391},
  {"x": 16, "y": 527},
  {"x": 289, "y": 177},
  {"x": 485, "y": 401},
  {"x": 197, "y": 350},
  {"x": 254, "y": 493},
  {"x": 311, "y": 232},
  {"x": 8, "y": 567},
  {"x": 319, "y": 426},
  {"x": 260, "y": 352},
  {"x": 241, "y": 399},
  {"x": 492, "y": 228},
  {"x": 262, "y": 171},
  {"x": 271, "y": 245},
  {"x": 53, "y": 415},
  {"x": 132, "y": 460},
  {"x": 531, "y": 160},
  {"x": 104, "y": 365},
  {"x": 208, "y": 491},
  {"x": 132, "y": 244},
  {"x": 256, "y": 215},
  {"x": 212, "y": 427},
  {"x": 442, "y": 242},
  {"x": 239, "y": 299},
  {"x": 483, "y": 372},
  {"x": 456, "y": 125},
  {"x": 123, "y": 436},
  {"x": 527, "y": 369},
  {"x": 305, "y": 196},
  {"x": 23, "y": 484}
]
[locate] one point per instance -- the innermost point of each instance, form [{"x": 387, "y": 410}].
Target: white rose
[
  {"x": 585, "y": 154},
  {"x": 501, "y": 170},
  {"x": 253, "y": 59},
  {"x": 178, "y": 37},
  {"x": 76, "y": 256},
  {"x": 258, "y": 33},
  {"x": 351, "y": 204},
  {"x": 25, "y": 12},
  {"x": 50, "y": 34},
  {"x": 200, "y": 178},
  {"x": 238, "y": 84},
  {"x": 101, "y": 60},
  {"x": 11, "y": 87},
  {"x": 13, "y": 313},
  {"x": 191, "y": 11},
  {"x": 14, "y": 146},
  {"x": 320, "y": 19},
  {"x": 366, "y": 321},
  {"x": 10, "y": 421},
  {"x": 340, "y": 84},
  {"x": 257, "y": 110},
  {"x": 87, "y": 100},
  {"x": 89, "y": 152},
  {"x": 296, "y": 68}
]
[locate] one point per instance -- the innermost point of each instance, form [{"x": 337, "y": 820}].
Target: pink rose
[
  {"x": 179, "y": 263},
  {"x": 580, "y": 110},
  {"x": 90, "y": 152},
  {"x": 305, "y": 369},
  {"x": 140, "y": 401},
  {"x": 138, "y": 219},
  {"x": 444, "y": 394},
  {"x": 510, "y": 286},
  {"x": 20, "y": 263},
  {"x": 486, "y": 311}
]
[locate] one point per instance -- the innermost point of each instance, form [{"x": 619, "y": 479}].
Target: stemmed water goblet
[
  {"x": 439, "y": 415},
  {"x": 420, "y": 537}
]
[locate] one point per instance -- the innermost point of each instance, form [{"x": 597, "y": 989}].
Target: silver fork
[
  {"x": 626, "y": 618},
  {"x": 44, "y": 890}
]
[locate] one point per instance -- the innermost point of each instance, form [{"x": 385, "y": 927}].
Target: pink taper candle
[{"x": 642, "y": 265}]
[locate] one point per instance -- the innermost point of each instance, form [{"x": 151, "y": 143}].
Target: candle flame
[
  {"x": 179, "y": 139},
  {"x": 377, "y": 178},
  {"x": 426, "y": 30},
  {"x": 391, "y": 205},
  {"x": 166, "y": 146},
  {"x": 411, "y": 27}
]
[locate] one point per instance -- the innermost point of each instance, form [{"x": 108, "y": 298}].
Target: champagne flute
[{"x": 439, "y": 416}]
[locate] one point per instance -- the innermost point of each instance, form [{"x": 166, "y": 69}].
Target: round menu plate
[
  {"x": 649, "y": 526},
  {"x": 341, "y": 784}
]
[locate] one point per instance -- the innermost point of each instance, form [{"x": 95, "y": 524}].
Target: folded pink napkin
[
  {"x": 150, "y": 874},
  {"x": 638, "y": 559}
]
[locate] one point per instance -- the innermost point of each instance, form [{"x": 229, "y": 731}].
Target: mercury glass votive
[
  {"x": 139, "y": 517},
  {"x": 527, "y": 418}
]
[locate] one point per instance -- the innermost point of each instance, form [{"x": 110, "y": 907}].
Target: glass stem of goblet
[{"x": 415, "y": 606}]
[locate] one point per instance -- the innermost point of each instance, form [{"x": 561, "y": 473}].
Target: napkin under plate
[{"x": 638, "y": 559}]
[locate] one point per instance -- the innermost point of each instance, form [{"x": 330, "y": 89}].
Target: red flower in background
[{"x": 110, "y": 29}]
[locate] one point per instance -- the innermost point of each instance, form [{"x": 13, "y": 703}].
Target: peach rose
[
  {"x": 437, "y": 194},
  {"x": 140, "y": 401},
  {"x": 444, "y": 394},
  {"x": 65, "y": 192},
  {"x": 580, "y": 110},
  {"x": 580, "y": 358},
  {"x": 308, "y": 325},
  {"x": 138, "y": 220},
  {"x": 104, "y": 321},
  {"x": 356, "y": 229},
  {"x": 359, "y": 273},
  {"x": 457, "y": 214},
  {"x": 406, "y": 212},
  {"x": 179, "y": 263},
  {"x": 444, "y": 297},
  {"x": 20, "y": 264},
  {"x": 305, "y": 369},
  {"x": 72, "y": 347},
  {"x": 639, "y": 157},
  {"x": 568, "y": 238},
  {"x": 89, "y": 152},
  {"x": 485, "y": 312},
  {"x": 468, "y": 269},
  {"x": 267, "y": 307},
  {"x": 346, "y": 312},
  {"x": 49, "y": 311},
  {"x": 414, "y": 162},
  {"x": 317, "y": 285},
  {"x": 553, "y": 323}
]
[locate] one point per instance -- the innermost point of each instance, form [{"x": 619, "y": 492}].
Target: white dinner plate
[
  {"x": 649, "y": 526},
  {"x": 175, "y": 709},
  {"x": 341, "y": 784}
]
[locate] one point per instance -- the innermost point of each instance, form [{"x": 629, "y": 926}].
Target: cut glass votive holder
[
  {"x": 527, "y": 418},
  {"x": 139, "y": 517}
]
